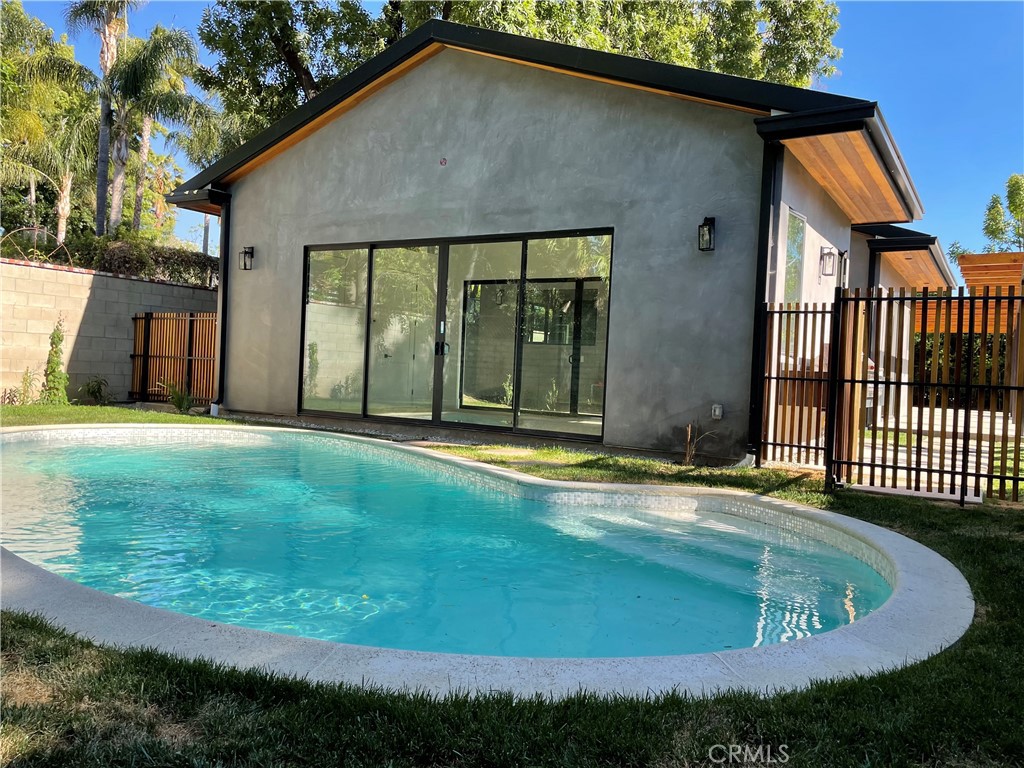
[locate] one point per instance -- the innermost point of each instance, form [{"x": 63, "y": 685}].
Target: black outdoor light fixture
[
  {"x": 245, "y": 257},
  {"x": 827, "y": 261},
  {"x": 706, "y": 234}
]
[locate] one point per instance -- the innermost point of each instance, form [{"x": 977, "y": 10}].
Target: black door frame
[{"x": 441, "y": 348}]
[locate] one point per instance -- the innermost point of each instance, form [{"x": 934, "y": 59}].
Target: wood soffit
[{"x": 849, "y": 169}]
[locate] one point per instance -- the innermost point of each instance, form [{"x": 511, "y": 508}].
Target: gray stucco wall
[{"x": 526, "y": 150}]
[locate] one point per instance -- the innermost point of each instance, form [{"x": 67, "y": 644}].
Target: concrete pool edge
[{"x": 930, "y": 608}]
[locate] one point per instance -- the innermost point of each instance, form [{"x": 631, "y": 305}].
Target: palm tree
[
  {"x": 108, "y": 19},
  {"x": 140, "y": 86},
  {"x": 63, "y": 154}
]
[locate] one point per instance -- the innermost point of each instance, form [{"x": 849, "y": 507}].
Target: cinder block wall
[{"x": 97, "y": 308}]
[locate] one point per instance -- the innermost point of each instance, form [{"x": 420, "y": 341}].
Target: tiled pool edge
[{"x": 931, "y": 607}]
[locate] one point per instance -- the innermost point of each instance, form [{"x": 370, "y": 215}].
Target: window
[{"x": 796, "y": 239}]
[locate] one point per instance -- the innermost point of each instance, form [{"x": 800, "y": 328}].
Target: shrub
[
  {"x": 96, "y": 390},
  {"x": 55, "y": 378},
  {"x": 181, "y": 399}
]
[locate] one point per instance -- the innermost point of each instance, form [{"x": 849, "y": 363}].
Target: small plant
[
  {"x": 10, "y": 396},
  {"x": 181, "y": 399},
  {"x": 55, "y": 378},
  {"x": 312, "y": 371},
  {"x": 551, "y": 398},
  {"x": 96, "y": 390},
  {"x": 506, "y": 386},
  {"x": 693, "y": 439},
  {"x": 28, "y": 386}
]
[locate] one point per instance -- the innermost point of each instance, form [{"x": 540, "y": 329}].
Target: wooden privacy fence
[
  {"x": 174, "y": 349},
  {"x": 916, "y": 391}
]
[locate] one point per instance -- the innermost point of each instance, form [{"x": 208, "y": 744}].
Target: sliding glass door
[
  {"x": 506, "y": 334},
  {"x": 403, "y": 310},
  {"x": 481, "y": 317}
]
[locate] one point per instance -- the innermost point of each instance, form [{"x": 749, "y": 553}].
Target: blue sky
[{"x": 948, "y": 76}]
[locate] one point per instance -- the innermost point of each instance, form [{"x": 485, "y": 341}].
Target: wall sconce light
[
  {"x": 245, "y": 257},
  {"x": 706, "y": 234},
  {"x": 499, "y": 296},
  {"x": 827, "y": 261}
]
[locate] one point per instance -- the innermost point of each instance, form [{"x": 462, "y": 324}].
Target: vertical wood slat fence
[
  {"x": 174, "y": 349},
  {"x": 922, "y": 392}
]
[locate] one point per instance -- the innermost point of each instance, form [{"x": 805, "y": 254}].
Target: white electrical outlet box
[{"x": 716, "y": 411}]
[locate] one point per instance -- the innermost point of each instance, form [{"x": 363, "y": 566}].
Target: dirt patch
[{"x": 22, "y": 688}]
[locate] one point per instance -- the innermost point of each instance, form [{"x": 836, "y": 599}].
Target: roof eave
[{"x": 727, "y": 90}]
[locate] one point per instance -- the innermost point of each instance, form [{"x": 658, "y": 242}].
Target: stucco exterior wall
[
  {"x": 466, "y": 145},
  {"x": 826, "y": 225},
  {"x": 97, "y": 309}
]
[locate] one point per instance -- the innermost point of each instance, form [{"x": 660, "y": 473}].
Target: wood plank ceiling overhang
[
  {"x": 851, "y": 154},
  {"x": 993, "y": 270},
  {"x": 915, "y": 256}
]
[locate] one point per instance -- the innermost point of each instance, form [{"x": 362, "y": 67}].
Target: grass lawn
[{"x": 68, "y": 702}]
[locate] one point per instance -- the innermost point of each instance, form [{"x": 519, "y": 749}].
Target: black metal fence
[{"x": 919, "y": 391}]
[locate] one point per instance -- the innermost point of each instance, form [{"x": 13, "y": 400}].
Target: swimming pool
[{"x": 357, "y": 542}]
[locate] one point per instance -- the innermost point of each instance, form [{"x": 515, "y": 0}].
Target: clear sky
[{"x": 948, "y": 76}]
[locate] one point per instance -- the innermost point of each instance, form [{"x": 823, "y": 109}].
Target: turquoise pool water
[{"x": 338, "y": 540}]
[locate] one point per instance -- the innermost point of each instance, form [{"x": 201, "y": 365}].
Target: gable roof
[{"x": 754, "y": 96}]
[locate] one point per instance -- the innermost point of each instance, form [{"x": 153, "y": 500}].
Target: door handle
[{"x": 441, "y": 348}]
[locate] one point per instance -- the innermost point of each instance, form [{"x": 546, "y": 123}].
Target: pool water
[{"x": 340, "y": 540}]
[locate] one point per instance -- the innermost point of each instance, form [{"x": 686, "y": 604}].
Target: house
[{"x": 480, "y": 230}]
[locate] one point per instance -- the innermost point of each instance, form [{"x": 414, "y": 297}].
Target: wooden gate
[{"x": 174, "y": 350}]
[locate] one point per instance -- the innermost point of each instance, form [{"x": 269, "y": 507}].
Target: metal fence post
[
  {"x": 831, "y": 411},
  {"x": 147, "y": 320}
]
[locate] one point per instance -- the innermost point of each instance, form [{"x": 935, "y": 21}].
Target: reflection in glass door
[
  {"x": 403, "y": 305},
  {"x": 482, "y": 303},
  {"x": 508, "y": 334},
  {"x": 563, "y": 335}
]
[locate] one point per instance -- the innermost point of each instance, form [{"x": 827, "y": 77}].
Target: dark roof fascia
[
  {"x": 816, "y": 122},
  {"x": 886, "y": 147},
  {"x": 684, "y": 81},
  {"x": 184, "y": 198},
  {"x": 889, "y": 244},
  {"x": 886, "y": 230},
  {"x": 888, "y": 238}
]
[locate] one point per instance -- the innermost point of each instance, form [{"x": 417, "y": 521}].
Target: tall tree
[
  {"x": 109, "y": 20},
  {"x": 275, "y": 56},
  {"x": 137, "y": 88},
  {"x": 1004, "y": 224},
  {"x": 48, "y": 114}
]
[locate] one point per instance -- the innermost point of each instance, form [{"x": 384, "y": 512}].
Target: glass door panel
[
  {"x": 480, "y": 331},
  {"x": 565, "y": 322},
  {"x": 403, "y": 309},
  {"x": 335, "y": 331}
]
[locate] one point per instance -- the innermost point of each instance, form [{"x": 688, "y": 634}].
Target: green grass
[
  {"x": 68, "y": 702},
  {"x": 32, "y": 415}
]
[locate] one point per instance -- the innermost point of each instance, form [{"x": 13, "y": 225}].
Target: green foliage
[
  {"x": 507, "y": 391},
  {"x": 28, "y": 386},
  {"x": 180, "y": 398},
  {"x": 1004, "y": 223},
  {"x": 312, "y": 371},
  {"x": 275, "y": 56},
  {"x": 96, "y": 390},
  {"x": 55, "y": 378}
]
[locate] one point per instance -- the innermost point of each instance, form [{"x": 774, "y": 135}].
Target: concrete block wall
[{"x": 97, "y": 308}]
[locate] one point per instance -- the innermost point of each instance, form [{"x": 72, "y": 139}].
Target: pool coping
[{"x": 930, "y": 608}]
